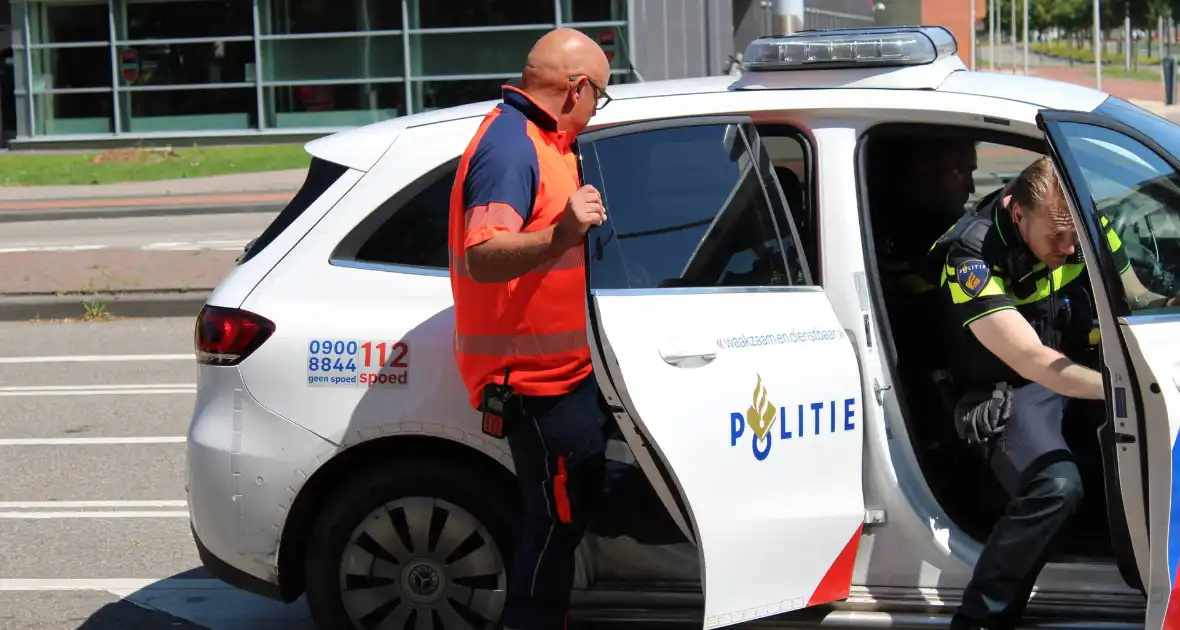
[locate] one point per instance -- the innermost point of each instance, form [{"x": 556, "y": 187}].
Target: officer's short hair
[{"x": 1037, "y": 186}]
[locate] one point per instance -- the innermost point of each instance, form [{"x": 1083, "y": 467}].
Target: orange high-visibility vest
[{"x": 516, "y": 176}]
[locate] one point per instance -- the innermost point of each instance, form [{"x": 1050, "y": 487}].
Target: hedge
[{"x": 1086, "y": 55}]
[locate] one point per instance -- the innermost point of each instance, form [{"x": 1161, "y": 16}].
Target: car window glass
[
  {"x": 997, "y": 164},
  {"x": 320, "y": 177},
  {"x": 1139, "y": 193},
  {"x": 416, "y": 233},
  {"x": 685, "y": 208},
  {"x": 788, "y": 161}
]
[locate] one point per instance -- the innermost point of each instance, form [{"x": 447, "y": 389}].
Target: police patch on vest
[{"x": 973, "y": 276}]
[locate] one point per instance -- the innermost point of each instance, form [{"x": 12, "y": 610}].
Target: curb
[
  {"x": 115, "y": 212},
  {"x": 52, "y": 306}
]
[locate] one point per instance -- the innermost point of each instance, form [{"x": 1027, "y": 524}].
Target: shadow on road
[
  {"x": 124, "y": 615},
  {"x": 194, "y": 600}
]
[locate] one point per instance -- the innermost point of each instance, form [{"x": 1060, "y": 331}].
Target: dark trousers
[
  {"x": 558, "y": 448},
  {"x": 1037, "y": 469}
]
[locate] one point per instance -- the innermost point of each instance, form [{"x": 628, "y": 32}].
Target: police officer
[
  {"x": 920, "y": 187},
  {"x": 1019, "y": 323}
]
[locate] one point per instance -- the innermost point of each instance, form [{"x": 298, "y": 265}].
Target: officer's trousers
[
  {"x": 1037, "y": 469},
  {"x": 558, "y": 446}
]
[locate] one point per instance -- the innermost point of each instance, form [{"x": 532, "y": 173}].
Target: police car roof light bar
[{"x": 850, "y": 48}]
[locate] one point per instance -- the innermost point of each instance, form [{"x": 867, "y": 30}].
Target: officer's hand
[
  {"x": 981, "y": 416},
  {"x": 582, "y": 210}
]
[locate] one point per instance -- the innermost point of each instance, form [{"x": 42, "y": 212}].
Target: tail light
[{"x": 226, "y": 336}]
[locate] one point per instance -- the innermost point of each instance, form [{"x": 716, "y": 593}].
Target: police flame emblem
[
  {"x": 973, "y": 276},
  {"x": 761, "y": 414}
]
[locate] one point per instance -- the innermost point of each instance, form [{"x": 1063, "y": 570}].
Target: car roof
[{"x": 362, "y": 147}]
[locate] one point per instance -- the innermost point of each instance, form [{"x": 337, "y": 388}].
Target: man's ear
[{"x": 1016, "y": 211}]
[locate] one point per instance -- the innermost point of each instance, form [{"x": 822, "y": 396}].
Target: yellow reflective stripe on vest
[
  {"x": 1062, "y": 276},
  {"x": 1112, "y": 240}
]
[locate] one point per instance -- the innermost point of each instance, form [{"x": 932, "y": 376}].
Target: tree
[{"x": 1042, "y": 14}]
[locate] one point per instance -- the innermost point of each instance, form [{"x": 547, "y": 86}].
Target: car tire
[{"x": 416, "y": 537}]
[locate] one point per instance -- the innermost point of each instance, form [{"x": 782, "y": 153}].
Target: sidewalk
[
  {"x": 129, "y": 282},
  {"x": 113, "y": 271},
  {"x": 246, "y": 192},
  {"x": 1126, "y": 89},
  {"x": 1146, "y": 94}
]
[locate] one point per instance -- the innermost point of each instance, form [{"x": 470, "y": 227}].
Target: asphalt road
[
  {"x": 93, "y": 521},
  {"x": 231, "y": 232},
  {"x": 170, "y": 233},
  {"x": 94, "y": 531}
]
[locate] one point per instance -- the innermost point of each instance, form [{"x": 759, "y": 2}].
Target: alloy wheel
[{"x": 420, "y": 563}]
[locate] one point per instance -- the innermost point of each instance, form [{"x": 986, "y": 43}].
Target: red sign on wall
[
  {"x": 130, "y": 64},
  {"x": 606, "y": 39}
]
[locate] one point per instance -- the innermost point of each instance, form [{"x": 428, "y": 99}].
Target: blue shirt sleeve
[{"x": 501, "y": 182}]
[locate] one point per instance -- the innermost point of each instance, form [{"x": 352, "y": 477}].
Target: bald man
[{"x": 518, "y": 219}]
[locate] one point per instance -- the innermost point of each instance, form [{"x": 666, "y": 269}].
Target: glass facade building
[
  {"x": 101, "y": 69},
  {"x": 123, "y": 70}
]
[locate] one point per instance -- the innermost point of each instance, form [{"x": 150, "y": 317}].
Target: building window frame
[{"x": 414, "y": 84}]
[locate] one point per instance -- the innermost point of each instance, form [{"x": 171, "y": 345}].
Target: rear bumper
[
  {"x": 234, "y": 576},
  {"x": 245, "y": 466}
]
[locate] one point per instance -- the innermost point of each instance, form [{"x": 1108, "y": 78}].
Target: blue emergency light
[{"x": 850, "y": 48}]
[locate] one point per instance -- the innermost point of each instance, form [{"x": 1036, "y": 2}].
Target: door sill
[{"x": 676, "y": 605}]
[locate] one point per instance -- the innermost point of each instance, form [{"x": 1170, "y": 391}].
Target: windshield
[
  {"x": 1162, "y": 130},
  {"x": 1135, "y": 189}
]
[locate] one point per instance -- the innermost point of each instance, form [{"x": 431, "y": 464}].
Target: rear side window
[
  {"x": 409, "y": 229},
  {"x": 413, "y": 228},
  {"x": 320, "y": 177}
]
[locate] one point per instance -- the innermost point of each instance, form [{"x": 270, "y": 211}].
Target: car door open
[
  {"x": 1121, "y": 171},
  {"x": 737, "y": 390}
]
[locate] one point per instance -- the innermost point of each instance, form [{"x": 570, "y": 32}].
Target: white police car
[{"x": 739, "y": 331}]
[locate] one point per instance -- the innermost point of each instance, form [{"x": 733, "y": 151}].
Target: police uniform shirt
[
  {"x": 987, "y": 268},
  {"x": 901, "y": 246}
]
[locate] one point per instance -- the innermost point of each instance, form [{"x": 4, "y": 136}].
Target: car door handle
[{"x": 687, "y": 356}]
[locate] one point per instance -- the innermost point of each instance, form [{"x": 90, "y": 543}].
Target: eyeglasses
[{"x": 600, "y": 94}]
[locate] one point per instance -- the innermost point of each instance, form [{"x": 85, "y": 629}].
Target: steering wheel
[{"x": 1158, "y": 277}]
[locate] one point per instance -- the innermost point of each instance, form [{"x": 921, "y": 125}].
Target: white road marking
[
  {"x": 98, "y": 514},
  {"x": 228, "y": 245},
  {"x": 77, "y": 505},
  {"x": 115, "y": 585},
  {"x": 97, "y": 358},
  {"x": 123, "y": 386},
  {"x": 52, "y": 248},
  {"x": 99, "y": 390},
  {"x": 92, "y": 441},
  {"x": 234, "y": 245}
]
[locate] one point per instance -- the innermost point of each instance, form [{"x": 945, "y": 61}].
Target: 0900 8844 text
[{"x": 357, "y": 363}]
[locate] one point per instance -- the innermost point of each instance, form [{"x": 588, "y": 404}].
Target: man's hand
[
  {"x": 582, "y": 210},
  {"x": 980, "y": 416},
  {"x": 1140, "y": 297},
  {"x": 512, "y": 254}
]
